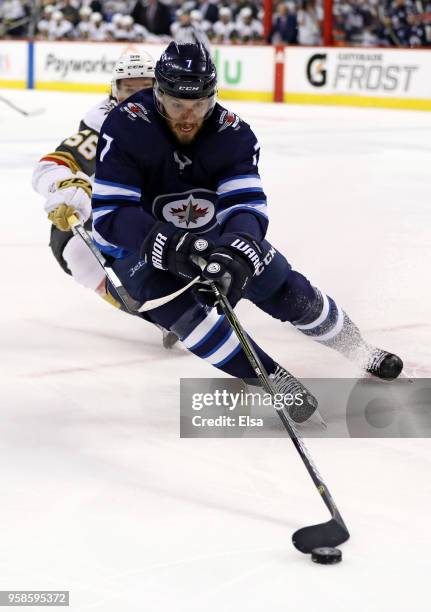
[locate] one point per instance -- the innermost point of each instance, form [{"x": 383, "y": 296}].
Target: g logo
[{"x": 316, "y": 73}]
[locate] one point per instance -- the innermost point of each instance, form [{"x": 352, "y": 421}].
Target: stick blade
[{"x": 331, "y": 534}]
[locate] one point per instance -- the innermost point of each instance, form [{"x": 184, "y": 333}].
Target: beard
[{"x": 185, "y": 131}]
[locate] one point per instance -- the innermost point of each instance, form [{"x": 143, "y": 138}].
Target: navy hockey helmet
[{"x": 185, "y": 71}]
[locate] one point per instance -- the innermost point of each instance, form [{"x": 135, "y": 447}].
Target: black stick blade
[{"x": 325, "y": 534}]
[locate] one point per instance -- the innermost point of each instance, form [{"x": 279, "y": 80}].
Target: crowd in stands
[{"x": 399, "y": 23}]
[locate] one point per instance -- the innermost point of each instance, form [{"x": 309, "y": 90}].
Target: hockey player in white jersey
[{"x": 64, "y": 177}]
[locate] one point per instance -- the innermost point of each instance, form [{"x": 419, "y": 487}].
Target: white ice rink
[{"x": 101, "y": 497}]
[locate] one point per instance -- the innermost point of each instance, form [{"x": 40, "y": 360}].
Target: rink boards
[{"x": 386, "y": 78}]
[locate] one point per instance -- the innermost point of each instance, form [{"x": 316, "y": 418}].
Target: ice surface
[{"x": 99, "y": 494}]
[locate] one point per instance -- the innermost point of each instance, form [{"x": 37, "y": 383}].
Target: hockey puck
[{"x": 326, "y": 555}]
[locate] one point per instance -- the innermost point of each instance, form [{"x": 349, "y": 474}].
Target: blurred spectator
[
  {"x": 84, "y": 28},
  {"x": 13, "y": 17},
  {"x": 224, "y": 28},
  {"x": 129, "y": 30},
  {"x": 183, "y": 30},
  {"x": 201, "y": 23},
  {"x": 153, "y": 15},
  {"x": 387, "y": 23},
  {"x": 240, "y": 4},
  {"x": 284, "y": 25},
  {"x": 114, "y": 25},
  {"x": 59, "y": 28},
  {"x": 249, "y": 29},
  {"x": 401, "y": 14},
  {"x": 310, "y": 18},
  {"x": 69, "y": 10},
  {"x": 43, "y": 25},
  {"x": 209, "y": 9},
  {"x": 99, "y": 28}
]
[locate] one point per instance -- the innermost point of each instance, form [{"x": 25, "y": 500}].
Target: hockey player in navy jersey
[{"x": 177, "y": 177}]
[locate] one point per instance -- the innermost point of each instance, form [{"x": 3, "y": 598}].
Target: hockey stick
[
  {"x": 130, "y": 304},
  {"x": 333, "y": 532},
  {"x": 32, "y": 113}
]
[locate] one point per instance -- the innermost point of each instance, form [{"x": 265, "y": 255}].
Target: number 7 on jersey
[{"x": 107, "y": 146}]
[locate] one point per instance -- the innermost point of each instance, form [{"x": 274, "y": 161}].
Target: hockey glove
[
  {"x": 231, "y": 265},
  {"x": 168, "y": 248},
  {"x": 71, "y": 196}
]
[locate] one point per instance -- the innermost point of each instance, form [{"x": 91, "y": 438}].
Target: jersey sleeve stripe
[
  {"x": 107, "y": 247},
  {"x": 129, "y": 198},
  {"x": 108, "y": 184},
  {"x": 102, "y": 212},
  {"x": 62, "y": 158},
  {"x": 247, "y": 182},
  {"x": 258, "y": 208},
  {"x": 115, "y": 191},
  {"x": 235, "y": 192},
  {"x": 236, "y": 178}
]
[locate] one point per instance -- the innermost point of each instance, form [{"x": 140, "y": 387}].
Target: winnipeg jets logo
[
  {"x": 228, "y": 119},
  {"x": 192, "y": 210},
  {"x": 189, "y": 212},
  {"x": 135, "y": 110},
  {"x": 182, "y": 162}
]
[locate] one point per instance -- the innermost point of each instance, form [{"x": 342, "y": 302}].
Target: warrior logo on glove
[
  {"x": 245, "y": 247},
  {"x": 171, "y": 249}
]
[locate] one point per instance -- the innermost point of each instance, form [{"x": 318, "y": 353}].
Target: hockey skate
[
  {"x": 303, "y": 409},
  {"x": 384, "y": 365},
  {"x": 169, "y": 338}
]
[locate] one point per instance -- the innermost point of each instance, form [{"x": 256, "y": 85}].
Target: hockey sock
[{"x": 212, "y": 338}]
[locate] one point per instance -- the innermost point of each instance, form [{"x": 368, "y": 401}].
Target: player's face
[
  {"x": 128, "y": 87},
  {"x": 185, "y": 117}
]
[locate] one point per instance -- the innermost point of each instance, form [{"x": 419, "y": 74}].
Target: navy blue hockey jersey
[{"x": 144, "y": 174}]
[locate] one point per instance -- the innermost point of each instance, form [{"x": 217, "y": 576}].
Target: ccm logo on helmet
[{"x": 188, "y": 88}]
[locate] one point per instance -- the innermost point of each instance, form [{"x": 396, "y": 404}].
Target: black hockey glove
[
  {"x": 231, "y": 264},
  {"x": 168, "y": 248}
]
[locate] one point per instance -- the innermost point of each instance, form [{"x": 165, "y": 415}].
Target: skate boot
[
  {"x": 169, "y": 338},
  {"x": 384, "y": 365},
  {"x": 300, "y": 403}
]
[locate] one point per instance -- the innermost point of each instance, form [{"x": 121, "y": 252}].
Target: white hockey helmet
[
  {"x": 225, "y": 11},
  {"x": 127, "y": 21},
  {"x": 245, "y": 12},
  {"x": 85, "y": 11},
  {"x": 116, "y": 18},
  {"x": 96, "y": 17},
  {"x": 132, "y": 66},
  {"x": 196, "y": 15}
]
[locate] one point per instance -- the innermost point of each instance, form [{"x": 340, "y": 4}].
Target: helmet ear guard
[{"x": 132, "y": 66}]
